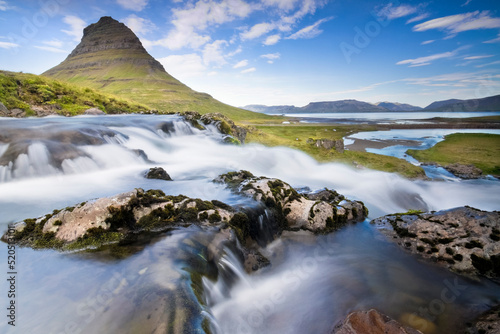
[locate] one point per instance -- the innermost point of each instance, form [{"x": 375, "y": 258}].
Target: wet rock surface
[
  {"x": 464, "y": 240},
  {"x": 158, "y": 173},
  {"x": 487, "y": 323},
  {"x": 319, "y": 212},
  {"x": 371, "y": 322}
]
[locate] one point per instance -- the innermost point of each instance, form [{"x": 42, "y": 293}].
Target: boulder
[
  {"x": 94, "y": 112},
  {"x": 464, "y": 171},
  {"x": 328, "y": 144},
  {"x": 371, "y": 322},
  {"x": 158, "y": 173},
  {"x": 465, "y": 240},
  {"x": 319, "y": 212}
]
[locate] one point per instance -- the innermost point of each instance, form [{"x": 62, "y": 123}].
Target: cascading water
[{"x": 312, "y": 282}]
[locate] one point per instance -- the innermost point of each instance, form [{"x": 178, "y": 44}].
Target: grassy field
[
  {"x": 22, "y": 91},
  {"x": 480, "y": 150},
  {"x": 296, "y": 136}
]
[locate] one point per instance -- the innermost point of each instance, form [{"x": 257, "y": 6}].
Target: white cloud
[
  {"x": 4, "y": 6},
  {"x": 418, "y": 18},
  {"x": 421, "y": 61},
  {"x": 76, "y": 26},
  {"x": 213, "y": 53},
  {"x": 8, "y": 45},
  {"x": 307, "y": 7},
  {"x": 257, "y": 30},
  {"x": 51, "y": 49},
  {"x": 242, "y": 63},
  {"x": 183, "y": 66},
  {"x": 196, "y": 17},
  {"x": 212, "y": 73},
  {"x": 249, "y": 70},
  {"x": 427, "y": 42},
  {"x": 139, "y": 25},
  {"x": 271, "y": 56},
  {"x": 54, "y": 43},
  {"x": 286, "y": 5},
  {"x": 271, "y": 40},
  {"x": 478, "y": 57},
  {"x": 494, "y": 40},
  {"x": 391, "y": 12},
  {"x": 461, "y": 22},
  {"x": 309, "y": 31},
  {"x": 135, "y": 5},
  {"x": 466, "y": 3}
]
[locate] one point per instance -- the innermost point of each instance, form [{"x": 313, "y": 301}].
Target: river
[{"x": 313, "y": 281}]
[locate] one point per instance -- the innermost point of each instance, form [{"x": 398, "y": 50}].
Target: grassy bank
[
  {"x": 296, "y": 136},
  {"x": 480, "y": 150},
  {"x": 26, "y": 91}
]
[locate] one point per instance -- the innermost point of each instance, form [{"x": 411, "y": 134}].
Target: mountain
[
  {"x": 111, "y": 58},
  {"x": 491, "y": 103},
  {"x": 439, "y": 104},
  {"x": 320, "y": 107},
  {"x": 341, "y": 106},
  {"x": 270, "y": 109},
  {"x": 395, "y": 106}
]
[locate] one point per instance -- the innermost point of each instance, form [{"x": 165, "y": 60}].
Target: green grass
[
  {"x": 296, "y": 135},
  {"x": 480, "y": 150},
  {"x": 129, "y": 74},
  {"x": 23, "y": 91}
]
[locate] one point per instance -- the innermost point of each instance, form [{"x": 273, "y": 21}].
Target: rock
[
  {"x": 225, "y": 125},
  {"x": 487, "y": 323},
  {"x": 17, "y": 113},
  {"x": 94, "y": 112},
  {"x": 465, "y": 240},
  {"x": 464, "y": 171},
  {"x": 322, "y": 212},
  {"x": 3, "y": 110},
  {"x": 44, "y": 110},
  {"x": 328, "y": 144},
  {"x": 371, "y": 322},
  {"x": 158, "y": 173}
]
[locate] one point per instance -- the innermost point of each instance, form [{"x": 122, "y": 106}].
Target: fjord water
[{"x": 313, "y": 281}]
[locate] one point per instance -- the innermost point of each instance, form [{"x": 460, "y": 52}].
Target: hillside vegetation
[{"x": 30, "y": 92}]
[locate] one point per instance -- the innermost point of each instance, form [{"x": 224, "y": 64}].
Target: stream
[{"x": 165, "y": 283}]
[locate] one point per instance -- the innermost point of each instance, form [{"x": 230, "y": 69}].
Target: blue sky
[{"x": 283, "y": 51}]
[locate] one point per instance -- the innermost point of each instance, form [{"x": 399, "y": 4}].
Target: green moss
[
  {"x": 95, "y": 237},
  {"x": 241, "y": 225},
  {"x": 214, "y": 217},
  {"x": 58, "y": 223},
  {"x": 222, "y": 205}
]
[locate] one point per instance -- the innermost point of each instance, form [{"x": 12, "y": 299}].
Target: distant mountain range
[{"x": 491, "y": 103}]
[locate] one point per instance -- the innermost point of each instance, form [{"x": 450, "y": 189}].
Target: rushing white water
[
  {"x": 193, "y": 158},
  {"x": 51, "y": 163}
]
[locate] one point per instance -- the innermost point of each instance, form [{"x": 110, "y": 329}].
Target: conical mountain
[{"x": 111, "y": 58}]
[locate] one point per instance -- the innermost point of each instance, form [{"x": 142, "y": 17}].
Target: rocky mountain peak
[{"x": 106, "y": 34}]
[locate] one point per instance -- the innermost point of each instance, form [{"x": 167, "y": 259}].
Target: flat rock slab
[{"x": 465, "y": 240}]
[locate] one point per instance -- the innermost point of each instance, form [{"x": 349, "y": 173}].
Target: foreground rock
[
  {"x": 319, "y": 212},
  {"x": 465, "y": 240},
  {"x": 371, "y": 322},
  {"x": 487, "y": 323},
  {"x": 158, "y": 173},
  {"x": 278, "y": 207}
]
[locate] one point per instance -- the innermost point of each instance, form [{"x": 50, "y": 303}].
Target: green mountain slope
[
  {"x": 37, "y": 95},
  {"x": 111, "y": 58}
]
